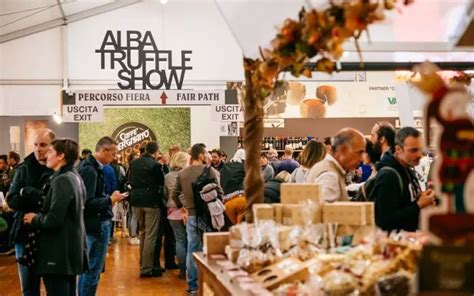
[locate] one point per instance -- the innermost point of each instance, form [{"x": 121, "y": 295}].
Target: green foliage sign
[{"x": 172, "y": 126}]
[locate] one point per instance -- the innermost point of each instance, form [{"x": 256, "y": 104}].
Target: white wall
[
  {"x": 203, "y": 130},
  {"x": 175, "y": 26}
]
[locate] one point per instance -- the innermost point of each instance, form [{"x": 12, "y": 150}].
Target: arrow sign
[{"x": 163, "y": 98}]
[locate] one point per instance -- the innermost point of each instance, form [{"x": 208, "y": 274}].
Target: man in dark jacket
[
  {"x": 147, "y": 180},
  {"x": 4, "y": 173},
  {"x": 398, "y": 197},
  {"x": 13, "y": 162},
  {"x": 217, "y": 163},
  {"x": 382, "y": 137},
  {"x": 26, "y": 195},
  {"x": 97, "y": 212}
]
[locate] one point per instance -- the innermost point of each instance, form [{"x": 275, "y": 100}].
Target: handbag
[{"x": 30, "y": 252}]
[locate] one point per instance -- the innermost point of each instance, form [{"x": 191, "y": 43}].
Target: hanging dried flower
[{"x": 316, "y": 33}]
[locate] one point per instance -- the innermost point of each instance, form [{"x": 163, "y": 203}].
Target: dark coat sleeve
[
  {"x": 30, "y": 197},
  {"x": 160, "y": 174},
  {"x": 62, "y": 192},
  {"x": 93, "y": 203},
  {"x": 389, "y": 215}
]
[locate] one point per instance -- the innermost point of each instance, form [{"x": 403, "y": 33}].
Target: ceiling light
[{"x": 164, "y": 1}]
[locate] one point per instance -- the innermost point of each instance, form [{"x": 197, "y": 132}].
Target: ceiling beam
[
  {"x": 396, "y": 66},
  {"x": 419, "y": 46},
  {"x": 70, "y": 19}
]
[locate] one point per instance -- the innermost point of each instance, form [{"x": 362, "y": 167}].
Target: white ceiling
[
  {"x": 424, "y": 26},
  {"x": 19, "y": 14},
  {"x": 22, "y": 17},
  {"x": 425, "y": 29}
]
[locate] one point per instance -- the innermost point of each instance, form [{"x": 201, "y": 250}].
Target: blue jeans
[
  {"x": 97, "y": 248},
  {"x": 179, "y": 230},
  {"x": 29, "y": 281},
  {"x": 194, "y": 245}
]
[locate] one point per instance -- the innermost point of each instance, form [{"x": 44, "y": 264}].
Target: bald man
[
  {"x": 348, "y": 145},
  {"x": 26, "y": 196}
]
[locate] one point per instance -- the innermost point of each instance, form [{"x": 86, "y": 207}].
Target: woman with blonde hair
[
  {"x": 313, "y": 153},
  {"x": 179, "y": 161}
]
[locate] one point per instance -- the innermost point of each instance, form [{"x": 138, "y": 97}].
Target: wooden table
[{"x": 212, "y": 278}]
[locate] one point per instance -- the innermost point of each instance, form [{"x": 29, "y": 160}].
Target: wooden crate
[
  {"x": 292, "y": 193},
  {"x": 349, "y": 213},
  {"x": 278, "y": 213},
  {"x": 215, "y": 242},
  {"x": 262, "y": 212}
]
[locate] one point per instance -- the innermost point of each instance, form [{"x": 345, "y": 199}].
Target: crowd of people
[{"x": 62, "y": 211}]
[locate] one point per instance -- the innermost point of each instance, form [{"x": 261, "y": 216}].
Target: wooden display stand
[
  {"x": 285, "y": 271},
  {"x": 212, "y": 278}
]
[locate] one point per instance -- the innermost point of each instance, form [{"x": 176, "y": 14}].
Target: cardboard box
[
  {"x": 215, "y": 242},
  {"x": 349, "y": 213},
  {"x": 292, "y": 193},
  {"x": 285, "y": 271},
  {"x": 262, "y": 212}
]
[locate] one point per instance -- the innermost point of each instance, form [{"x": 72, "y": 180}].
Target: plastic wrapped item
[
  {"x": 397, "y": 284},
  {"x": 293, "y": 289},
  {"x": 338, "y": 283},
  {"x": 314, "y": 286},
  {"x": 260, "y": 245},
  {"x": 309, "y": 211},
  {"x": 306, "y": 242}
]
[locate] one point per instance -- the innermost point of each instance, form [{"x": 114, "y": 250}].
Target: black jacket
[
  {"x": 271, "y": 191},
  {"x": 62, "y": 241},
  {"x": 232, "y": 177},
  {"x": 98, "y": 207},
  {"x": 147, "y": 180},
  {"x": 395, "y": 210},
  {"x": 30, "y": 178},
  {"x": 219, "y": 166}
]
